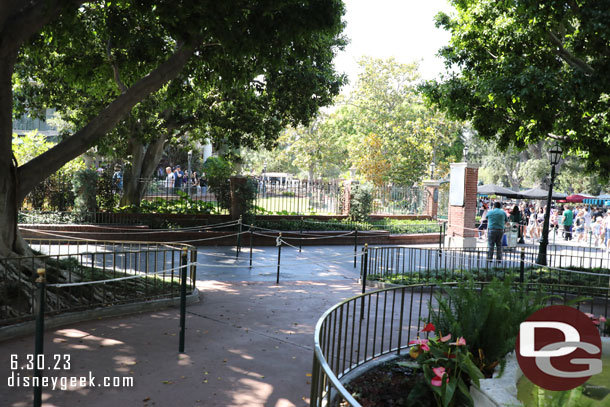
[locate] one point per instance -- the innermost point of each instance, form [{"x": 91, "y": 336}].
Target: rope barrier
[
  {"x": 81, "y": 283},
  {"x": 150, "y": 231}
]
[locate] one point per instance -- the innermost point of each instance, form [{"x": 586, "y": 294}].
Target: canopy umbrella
[
  {"x": 491, "y": 189},
  {"x": 537, "y": 193},
  {"x": 577, "y": 198},
  {"x": 598, "y": 200}
]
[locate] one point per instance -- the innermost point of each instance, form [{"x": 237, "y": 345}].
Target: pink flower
[
  {"x": 460, "y": 342},
  {"x": 421, "y": 342},
  {"x": 589, "y": 315},
  {"x": 429, "y": 327},
  {"x": 441, "y": 375},
  {"x": 445, "y": 338},
  {"x": 602, "y": 318}
]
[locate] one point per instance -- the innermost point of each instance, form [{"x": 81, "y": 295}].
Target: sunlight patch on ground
[
  {"x": 252, "y": 393},
  {"x": 240, "y": 353}
]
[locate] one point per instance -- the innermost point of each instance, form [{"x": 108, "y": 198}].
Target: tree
[
  {"x": 317, "y": 149},
  {"x": 391, "y": 135},
  {"x": 526, "y": 71},
  {"x": 144, "y": 45}
]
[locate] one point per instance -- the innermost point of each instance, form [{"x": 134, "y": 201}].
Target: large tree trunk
[{"x": 144, "y": 163}]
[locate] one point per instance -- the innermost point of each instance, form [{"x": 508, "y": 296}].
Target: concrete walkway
[{"x": 249, "y": 342}]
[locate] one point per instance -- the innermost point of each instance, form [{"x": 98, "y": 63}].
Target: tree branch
[
  {"x": 47, "y": 163},
  {"x": 570, "y": 59},
  {"x": 115, "y": 68}
]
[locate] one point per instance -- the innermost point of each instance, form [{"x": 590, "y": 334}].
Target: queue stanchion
[
  {"x": 355, "y": 245},
  {"x": 239, "y": 230},
  {"x": 365, "y": 261},
  {"x": 183, "y": 265},
  {"x": 39, "y": 339},
  {"x": 301, "y": 235},
  {"x": 279, "y": 256},
  {"x": 251, "y": 226}
]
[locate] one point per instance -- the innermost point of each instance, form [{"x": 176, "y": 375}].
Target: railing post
[
  {"x": 251, "y": 226},
  {"x": 39, "y": 339},
  {"x": 239, "y": 230},
  {"x": 522, "y": 266},
  {"x": 279, "y": 256},
  {"x": 183, "y": 263},
  {"x": 301, "y": 235},
  {"x": 365, "y": 261},
  {"x": 355, "y": 245}
]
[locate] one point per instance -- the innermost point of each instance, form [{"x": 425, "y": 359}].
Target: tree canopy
[
  {"x": 96, "y": 60},
  {"x": 525, "y": 71}
]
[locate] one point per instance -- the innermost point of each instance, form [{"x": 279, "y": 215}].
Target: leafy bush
[
  {"x": 184, "y": 205},
  {"x": 84, "y": 186},
  {"x": 487, "y": 318},
  {"x": 217, "y": 173},
  {"x": 361, "y": 202},
  {"x": 106, "y": 198}
]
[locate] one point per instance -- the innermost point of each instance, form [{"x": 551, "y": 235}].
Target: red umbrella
[{"x": 577, "y": 198}]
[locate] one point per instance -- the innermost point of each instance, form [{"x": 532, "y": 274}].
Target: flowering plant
[
  {"x": 447, "y": 366},
  {"x": 600, "y": 322}
]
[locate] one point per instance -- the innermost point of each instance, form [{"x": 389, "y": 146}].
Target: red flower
[
  {"x": 421, "y": 342},
  {"x": 441, "y": 375},
  {"x": 460, "y": 342},
  {"x": 429, "y": 327}
]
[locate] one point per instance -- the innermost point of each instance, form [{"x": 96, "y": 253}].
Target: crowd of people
[
  {"x": 580, "y": 223},
  {"x": 177, "y": 180}
]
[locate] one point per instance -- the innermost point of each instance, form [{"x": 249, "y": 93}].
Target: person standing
[
  {"x": 568, "y": 220},
  {"x": 170, "y": 180},
  {"x": 496, "y": 220},
  {"x": 515, "y": 217}
]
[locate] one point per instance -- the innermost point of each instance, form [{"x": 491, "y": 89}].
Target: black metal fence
[
  {"x": 382, "y": 322},
  {"x": 398, "y": 200},
  {"x": 299, "y": 197},
  {"x": 86, "y": 275}
]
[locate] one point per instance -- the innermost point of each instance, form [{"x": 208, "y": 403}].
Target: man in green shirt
[
  {"x": 496, "y": 220},
  {"x": 568, "y": 220}
]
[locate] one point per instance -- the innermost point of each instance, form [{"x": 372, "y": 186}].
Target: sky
[{"x": 403, "y": 29}]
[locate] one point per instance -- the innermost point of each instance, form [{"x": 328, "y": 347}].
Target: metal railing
[
  {"x": 425, "y": 264},
  {"x": 301, "y": 197},
  {"x": 361, "y": 329},
  {"x": 398, "y": 200},
  {"x": 364, "y": 328},
  {"x": 85, "y": 275}
]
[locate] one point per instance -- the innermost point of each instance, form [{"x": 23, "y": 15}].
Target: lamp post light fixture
[
  {"x": 465, "y": 152},
  {"x": 432, "y": 168},
  {"x": 554, "y": 157}
]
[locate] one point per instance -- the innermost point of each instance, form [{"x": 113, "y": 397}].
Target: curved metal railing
[{"x": 361, "y": 329}]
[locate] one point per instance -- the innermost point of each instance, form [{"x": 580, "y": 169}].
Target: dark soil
[{"x": 391, "y": 385}]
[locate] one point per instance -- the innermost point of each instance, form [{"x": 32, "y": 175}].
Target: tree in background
[
  {"x": 390, "y": 134},
  {"x": 144, "y": 45},
  {"x": 527, "y": 71}
]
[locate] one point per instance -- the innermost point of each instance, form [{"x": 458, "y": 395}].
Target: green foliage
[
  {"x": 488, "y": 317},
  {"x": 55, "y": 192},
  {"x": 84, "y": 186},
  {"x": 106, "y": 197},
  {"x": 218, "y": 172},
  {"x": 361, "y": 202},
  {"x": 247, "y": 195},
  {"x": 184, "y": 205},
  {"x": 524, "y": 70}
]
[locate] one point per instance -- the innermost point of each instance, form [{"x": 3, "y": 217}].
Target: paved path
[{"x": 249, "y": 341}]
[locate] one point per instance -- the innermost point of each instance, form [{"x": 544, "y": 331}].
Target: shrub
[
  {"x": 488, "y": 318},
  {"x": 84, "y": 186},
  {"x": 361, "y": 202},
  {"x": 217, "y": 173}
]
